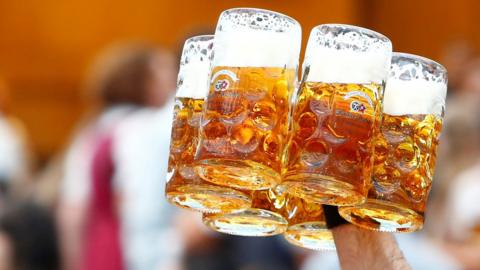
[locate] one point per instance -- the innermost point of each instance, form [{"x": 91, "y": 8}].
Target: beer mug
[
  {"x": 263, "y": 219},
  {"x": 306, "y": 225},
  {"x": 274, "y": 212},
  {"x": 245, "y": 121},
  {"x": 183, "y": 187},
  {"x": 329, "y": 153},
  {"x": 405, "y": 147}
]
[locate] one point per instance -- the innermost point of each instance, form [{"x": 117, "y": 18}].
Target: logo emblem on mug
[
  {"x": 357, "y": 106},
  {"x": 221, "y": 85}
]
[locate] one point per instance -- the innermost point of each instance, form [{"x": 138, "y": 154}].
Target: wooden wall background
[{"x": 46, "y": 46}]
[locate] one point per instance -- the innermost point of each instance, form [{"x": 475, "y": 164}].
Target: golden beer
[
  {"x": 338, "y": 106},
  {"x": 184, "y": 188},
  {"x": 329, "y": 153},
  {"x": 263, "y": 219},
  {"x": 404, "y": 163},
  {"x": 306, "y": 225},
  {"x": 244, "y": 126},
  {"x": 405, "y": 147},
  {"x": 273, "y": 212},
  {"x": 245, "y": 122}
]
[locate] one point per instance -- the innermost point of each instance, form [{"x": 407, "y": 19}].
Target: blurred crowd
[{"x": 99, "y": 204}]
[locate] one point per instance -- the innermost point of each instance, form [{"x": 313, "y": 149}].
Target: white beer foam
[
  {"x": 195, "y": 80},
  {"x": 256, "y": 48},
  {"x": 413, "y": 97},
  {"x": 346, "y": 66}
]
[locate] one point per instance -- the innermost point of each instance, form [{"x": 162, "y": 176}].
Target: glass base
[
  {"x": 322, "y": 189},
  {"x": 311, "y": 235},
  {"x": 209, "y": 198},
  {"x": 241, "y": 174},
  {"x": 250, "y": 222},
  {"x": 382, "y": 216}
]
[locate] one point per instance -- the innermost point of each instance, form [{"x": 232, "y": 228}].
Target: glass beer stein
[
  {"x": 245, "y": 122},
  {"x": 338, "y": 105},
  {"x": 264, "y": 218},
  {"x": 183, "y": 187},
  {"x": 306, "y": 225},
  {"x": 405, "y": 147}
]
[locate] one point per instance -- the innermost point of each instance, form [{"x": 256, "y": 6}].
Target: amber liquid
[
  {"x": 244, "y": 127},
  {"x": 184, "y": 188},
  {"x": 306, "y": 225},
  {"x": 273, "y": 212},
  {"x": 329, "y": 154},
  {"x": 404, "y": 163},
  {"x": 263, "y": 219}
]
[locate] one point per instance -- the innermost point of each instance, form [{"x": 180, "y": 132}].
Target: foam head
[
  {"x": 346, "y": 54},
  {"x": 416, "y": 85},
  {"x": 248, "y": 37},
  {"x": 195, "y": 65}
]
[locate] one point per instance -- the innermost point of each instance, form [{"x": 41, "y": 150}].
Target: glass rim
[
  {"x": 260, "y": 10},
  {"x": 354, "y": 27},
  {"x": 194, "y": 62},
  {"x": 424, "y": 59},
  {"x": 194, "y": 39},
  {"x": 199, "y": 38}
]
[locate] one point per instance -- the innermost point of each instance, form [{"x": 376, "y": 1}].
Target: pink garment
[{"x": 103, "y": 250}]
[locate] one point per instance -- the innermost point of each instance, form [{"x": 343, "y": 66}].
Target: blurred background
[{"x": 73, "y": 71}]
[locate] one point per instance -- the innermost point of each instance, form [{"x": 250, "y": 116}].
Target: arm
[
  {"x": 73, "y": 203},
  {"x": 71, "y": 223},
  {"x": 362, "y": 249}
]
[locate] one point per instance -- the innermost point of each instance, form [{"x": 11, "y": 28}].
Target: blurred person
[
  {"x": 140, "y": 151},
  {"x": 47, "y": 183},
  {"x": 455, "y": 57},
  {"x": 459, "y": 146},
  {"x": 461, "y": 216},
  {"x": 28, "y": 238},
  {"x": 458, "y": 150},
  {"x": 453, "y": 201},
  {"x": 14, "y": 158},
  {"x": 95, "y": 201},
  {"x": 470, "y": 84},
  {"x": 463, "y": 232}
]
